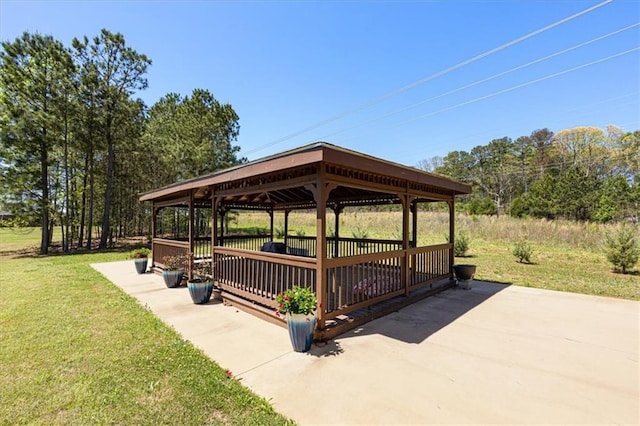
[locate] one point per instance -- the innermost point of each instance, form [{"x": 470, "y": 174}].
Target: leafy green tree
[
  {"x": 194, "y": 135},
  {"x": 35, "y": 74},
  {"x": 541, "y": 141},
  {"x": 495, "y": 170},
  {"x": 116, "y": 72},
  {"x": 458, "y": 165},
  {"x": 615, "y": 200}
]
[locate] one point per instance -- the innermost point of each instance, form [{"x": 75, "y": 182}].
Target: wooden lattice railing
[
  {"x": 346, "y": 246},
  {"x": 259, "y": 276}
]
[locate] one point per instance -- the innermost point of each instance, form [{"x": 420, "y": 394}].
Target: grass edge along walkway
[{"x": 78, "y": 350}]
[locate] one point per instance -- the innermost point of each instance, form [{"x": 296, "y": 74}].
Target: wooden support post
[
  {"x": 214, "y": 220},
  {"x": 191, "y": 236},
  {"x": 452, "y": 233},
  {"x": 336, "y": 249},
  {"x": 270, "y": 212},
  {"x": 320, "y": 191},
  {"x": 414, "y": 224},
  {"x": 405, "y": 267},
  {"x": 286, "y": 227},
  {"x": 223, "y": 213},
  {"x": 154, "y": 219}
]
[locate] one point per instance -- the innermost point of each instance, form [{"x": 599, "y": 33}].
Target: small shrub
[
  {"x": 623, "y": 249},
  {"x": 460, "y": 244},
  {"x": 523, "y": 251},
  {"x": 360, "y": 233},
  {"x": 140, "y": 253},
  {"x": 279, "y": 231}
]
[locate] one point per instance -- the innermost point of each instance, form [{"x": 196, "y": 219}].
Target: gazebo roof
[{"x": 282, "y": 181}]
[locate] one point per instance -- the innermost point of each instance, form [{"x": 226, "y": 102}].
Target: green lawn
[{"x": 77, "y": 350}]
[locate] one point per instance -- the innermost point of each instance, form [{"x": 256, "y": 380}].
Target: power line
[
  {"x": 519, "y": 86},
  {"x": 429, "y": 78},
  {"x": 528, "y": 83},
  {"x": 484, "y": 80}
]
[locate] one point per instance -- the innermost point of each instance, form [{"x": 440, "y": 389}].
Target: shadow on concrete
[
  {"x": 326, "y": 349},
  {"x": 416, "y": 322}
]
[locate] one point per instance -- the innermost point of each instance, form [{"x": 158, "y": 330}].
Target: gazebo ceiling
[{"x": 286, "y": 181}]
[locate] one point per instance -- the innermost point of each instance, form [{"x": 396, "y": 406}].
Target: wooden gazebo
[{"x": 355, "y": 279}]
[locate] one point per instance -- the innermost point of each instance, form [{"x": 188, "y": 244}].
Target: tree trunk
[
  {"x": 111, "y": 158},
  {"x": 83, "y": 201},
  {"x": 44, "y": 187},
  {"x": 66, "y": 222},
  {"x": 92, "y": 193}
]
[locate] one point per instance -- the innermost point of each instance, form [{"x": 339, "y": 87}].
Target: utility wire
[
  {"x": 484, "y": 80},
  {"x": 519, "y": 86},
  {"x": 430, "y": 77},
  {"x": 512, "y": 88},
  {"x": 503, "y": 130}
]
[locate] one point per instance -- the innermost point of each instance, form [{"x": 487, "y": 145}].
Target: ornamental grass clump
[
  {"x": 297, "y": 300},
  {"x": 175, "y": 263}
]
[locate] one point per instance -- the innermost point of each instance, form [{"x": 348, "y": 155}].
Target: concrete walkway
[{"x": 493, "y": 354}]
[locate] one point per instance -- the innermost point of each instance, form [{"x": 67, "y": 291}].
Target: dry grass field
[{"x": 567, "y": 256}]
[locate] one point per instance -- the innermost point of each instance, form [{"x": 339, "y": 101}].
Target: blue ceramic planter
[
  {"x": 200, "y": 290},
  {"x": 141, "y": 265},
  {"x": 301, "y": 328},
  {"x": 173, "y": 279}
]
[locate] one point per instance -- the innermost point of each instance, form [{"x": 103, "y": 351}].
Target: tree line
[
  {"x": 582, "y": 173},
  {"x": 77, "y": 148}
]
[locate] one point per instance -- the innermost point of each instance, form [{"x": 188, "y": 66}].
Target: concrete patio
[{"x": 493, "y": 354}]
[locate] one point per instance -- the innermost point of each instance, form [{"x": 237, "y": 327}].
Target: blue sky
[{"x": 335, "y": 68}]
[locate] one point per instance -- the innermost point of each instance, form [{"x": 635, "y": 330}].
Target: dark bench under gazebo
[{"x": 355, "y": 279}]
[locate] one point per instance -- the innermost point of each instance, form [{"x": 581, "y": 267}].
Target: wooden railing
[
  {"x": 260, "y": 276},
  {"x": 245, "y": 242},
  {"x": 346, "y": 246},
  {"x": 201, "y": 248},
  {"x": 353, "y": 282},
  {"x": 359, "y": 281},
  {"x": 429, "y": 264},
  {"x": 301, "y": 245},
  {"x": 162, "y": 248}
]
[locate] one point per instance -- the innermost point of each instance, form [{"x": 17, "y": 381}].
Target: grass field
[
  {"x": 567, "y": 256},
  {"x": 77, "y": 350}
]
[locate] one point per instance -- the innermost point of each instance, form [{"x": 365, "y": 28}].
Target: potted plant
[
  {"x": 173, "y": 270},
  {"x": 140, "y": 258},
  {"x": 299, "y": 305},
  {"x": 201, "y": 285},
  {"x": 464, "y": 275}
]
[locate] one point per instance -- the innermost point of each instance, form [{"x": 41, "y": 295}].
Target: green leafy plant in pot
[
  {"x": 173, "y": 270},
  {"x": 140, "y": 258},
  {"x": 201, "y": 285},
  {"x": 299, "y": 305}
]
